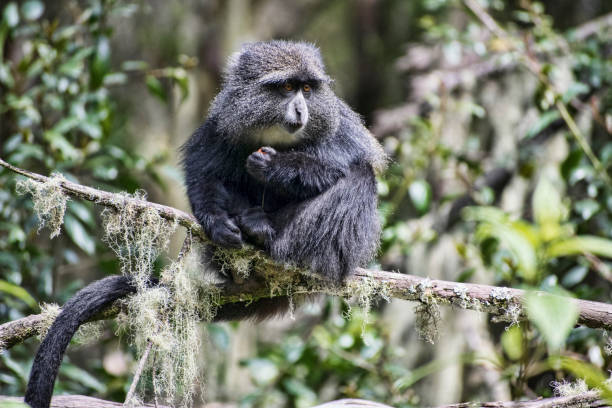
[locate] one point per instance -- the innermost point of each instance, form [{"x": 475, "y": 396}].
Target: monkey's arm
[
  {"x": 213, "y": 204},
  {"x": 296, "y": 174},
  {"x": 210, "y": 203}
]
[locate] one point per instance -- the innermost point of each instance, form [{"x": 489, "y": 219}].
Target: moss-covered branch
[
  {"x": 504, "y": 303},
  {"x": 115, "y": 201}
]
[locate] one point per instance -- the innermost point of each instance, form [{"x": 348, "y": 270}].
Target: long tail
[
  {"x": 93, "y": 299},
  {"x": 79, "y": 309}
]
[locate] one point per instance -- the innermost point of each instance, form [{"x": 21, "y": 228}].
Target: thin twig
[{"x": 138, "y": 373}]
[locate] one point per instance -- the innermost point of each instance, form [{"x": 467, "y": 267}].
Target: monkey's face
[
  {"x": 291, "y": 105},
  {"x": 276, "y": 94}
]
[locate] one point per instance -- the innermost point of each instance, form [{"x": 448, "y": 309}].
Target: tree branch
[
  {"x": 115, "y": 201},
  {"x": 505, "y": 303},
  {"x": 79, "y": 401},
  {"x": 590, "y": 399}
]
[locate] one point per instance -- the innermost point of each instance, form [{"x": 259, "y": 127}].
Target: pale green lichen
[
  {"x": 137, "y": 236},
  {"x": 365, "y": 291},
  {"x": 48, "y": 313},
  {"x": 427, "y": 312},
  {"x": 85, "y": 334},
  {"x": 169, "y": 317},
  {"x": 427, "y": 321},
  {"x": 570, "y": 388},
  {"x": 501, "y": 293},
  {"x": 461, "y": 291},
  {"x": 49, "y": 201},
  {"x": 235, "y": 262},
  {"x": 608, "y": 343},
  {"x": 166, "y": 316}
]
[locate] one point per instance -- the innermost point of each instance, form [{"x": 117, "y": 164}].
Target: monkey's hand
[
  {"x": 259, "y": 162},
  {"x": 256, "y": 225},
  {"x": 224, "y": 231}
]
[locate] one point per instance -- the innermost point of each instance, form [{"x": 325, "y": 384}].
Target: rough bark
[{"x": 589, "y": 399}]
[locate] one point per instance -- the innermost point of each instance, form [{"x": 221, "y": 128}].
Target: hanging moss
[
  {"x": 136, "y": 236},
  {"x": 169, "y": 317},
  {"x": 49, "y": 201},
  {"x": 365, "y": 291}
]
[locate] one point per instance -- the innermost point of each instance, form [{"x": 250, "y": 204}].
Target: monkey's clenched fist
[{"x": 259, "y": 162}]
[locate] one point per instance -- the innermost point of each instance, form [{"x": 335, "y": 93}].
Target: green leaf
[
  {"x": 512, "y": 342},
  {"x": 420, "y": 194},
  {"x": 574, "y": 276},
  {"x": 91, "y": 127},
  {"x": 134, "y": 65},
  {"x": 580, "y": 245},
  {"x": 18, "y": 292},
  {"x": 180, "y": 76},
  {"x": 66, "y": 124},
  {"x": 263, "y": 371},
  {"x": 82, "y": 377},
  {"x": 82, "y": 212},
  {"x": 59, "y": 143},
  {"x": 6, "y": 77},
  {"x": 553, "y": 315},
  {"x": 101, "y": 62},
  {"x": 32, "y": 10},
  {"x": 79, "y": 235},
  {"x": 520, "y": 246},
  {"x": 587, "y": 208},
  {"x": 116, "y": 78},
  {"x": 306, "y": 397},
  {"x": 575, "y": 89},
  {"x": 155, "y": 87},
  {"x": 543, "y": 122},
  {"x": 517, "y": 236},
  {"x": 16, "y": 235},
  {"x": 547, "y": 203},
  {"x": 11, "y": 15}
]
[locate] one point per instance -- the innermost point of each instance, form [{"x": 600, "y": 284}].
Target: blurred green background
[{"x": 501, "y": 156}]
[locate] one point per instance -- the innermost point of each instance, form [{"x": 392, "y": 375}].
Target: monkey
[{"x": 280, "y": 163}]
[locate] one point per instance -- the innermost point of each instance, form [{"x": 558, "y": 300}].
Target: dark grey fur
[{"x": 283, "y": 168}]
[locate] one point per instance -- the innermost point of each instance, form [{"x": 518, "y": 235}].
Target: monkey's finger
[
  {"x": 232, "y": 226},
  {"x": 228, "y": 239},
  {"x": 267, "y": 150}
]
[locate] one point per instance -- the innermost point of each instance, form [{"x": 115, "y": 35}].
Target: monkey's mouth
[
  {"x": 293, "y": 127},
  {"x": 284, "y": 134}
]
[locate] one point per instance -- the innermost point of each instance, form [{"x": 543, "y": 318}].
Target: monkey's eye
[
  {"x": 306, "y": 88},
  {"x": 288, "y": 87}
]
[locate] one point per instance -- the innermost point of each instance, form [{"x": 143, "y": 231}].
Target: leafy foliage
[
  {"x": 58, "y": 115},
  {"x": 530, "y": 96}
]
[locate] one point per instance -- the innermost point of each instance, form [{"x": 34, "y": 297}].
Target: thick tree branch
[
  {"x": 80, "y": 401},
  {"x": 505, "y": 303},
  {"x": 589, "y": 399}
]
